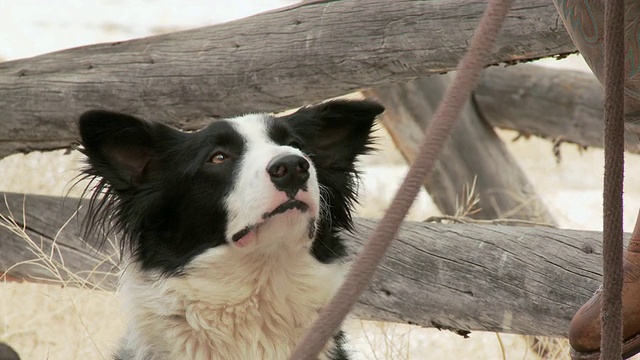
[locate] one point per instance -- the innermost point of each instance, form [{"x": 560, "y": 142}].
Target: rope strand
[{"x": 611, "y": 339}]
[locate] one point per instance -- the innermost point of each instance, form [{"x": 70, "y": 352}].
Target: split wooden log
[
  {"x": 561, "y": 105},
  {"x": 269, "y": 62},
  {"x": 525, "y": 280},
  {"x": 473, "y": 153}
]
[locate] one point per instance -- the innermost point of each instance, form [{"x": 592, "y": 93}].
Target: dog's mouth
[{"x": 290, "y": 204}]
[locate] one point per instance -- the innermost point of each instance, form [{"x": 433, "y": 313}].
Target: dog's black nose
[{"x": 289, "y": 173}]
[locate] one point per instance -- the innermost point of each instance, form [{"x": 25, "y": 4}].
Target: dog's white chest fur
[{"x": 227, "y": 305}]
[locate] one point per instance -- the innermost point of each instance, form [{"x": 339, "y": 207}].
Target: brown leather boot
[{"x": 584, "y": 331}]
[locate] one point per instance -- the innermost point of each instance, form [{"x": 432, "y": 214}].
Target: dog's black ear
[
  {"x": 337, "y": 131},
  {"x": 119, "y": 147}
]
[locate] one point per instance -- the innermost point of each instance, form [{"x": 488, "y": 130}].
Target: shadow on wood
[
  {"x": 269, "y": 62},
  {"x": 525, "y": 280}
]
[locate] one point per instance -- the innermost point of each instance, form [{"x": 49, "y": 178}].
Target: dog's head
[{"x": 251, "y": 182}]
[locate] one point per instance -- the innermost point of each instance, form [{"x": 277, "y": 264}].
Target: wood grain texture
[
  {"x": 526, "y": 280},
  {"x": 269, "y": 62},
  {"x": 551, "y": 103},
  {"x": 473, "y": 151}
]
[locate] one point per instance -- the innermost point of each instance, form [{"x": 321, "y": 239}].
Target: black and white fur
[{"x": 231, "y": 233}]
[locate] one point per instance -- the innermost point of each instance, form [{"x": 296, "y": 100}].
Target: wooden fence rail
[
  {"x": 525, "y": 280},
  {"x": 557, "y": 104},
  {"x": 268, "y": 62}
]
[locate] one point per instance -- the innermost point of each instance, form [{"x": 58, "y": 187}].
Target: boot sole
[{"x": 629, "y": 348}]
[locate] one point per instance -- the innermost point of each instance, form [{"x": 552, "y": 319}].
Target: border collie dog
[{"x": 230, "y": 234}]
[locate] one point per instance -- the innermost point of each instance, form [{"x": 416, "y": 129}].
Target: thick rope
[
  {"x": 436, "y": 134},
  {"x": 611, "y": 340}
]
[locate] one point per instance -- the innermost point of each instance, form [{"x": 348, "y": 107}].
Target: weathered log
[
  {"x": 557, "y": 104},
  {"x": 526, "y": 280},
  {"x": 269, "y": 62},
  {"x": 473, "y": 151}
]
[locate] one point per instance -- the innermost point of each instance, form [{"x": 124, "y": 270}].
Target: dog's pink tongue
[{"x": 247, "y": 239}]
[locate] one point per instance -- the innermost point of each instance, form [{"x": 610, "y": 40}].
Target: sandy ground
[{"x": 50, "y": 322}]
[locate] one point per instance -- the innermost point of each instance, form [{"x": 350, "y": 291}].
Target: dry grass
[
  {"x": 52, "y": 261},
  {"x": 549, "y": 347},
  {"x": 393, "y": 343},
  {"x": 467, "y": 204},
  {"x": 70, "y": 296}
]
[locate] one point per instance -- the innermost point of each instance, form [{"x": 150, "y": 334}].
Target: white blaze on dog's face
[{"x": 275, "y": 196}]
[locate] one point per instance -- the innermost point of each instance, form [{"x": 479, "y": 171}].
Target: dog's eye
[
  {"x": 295, "y": 144},
  {"x": 219, "y": 157}
]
